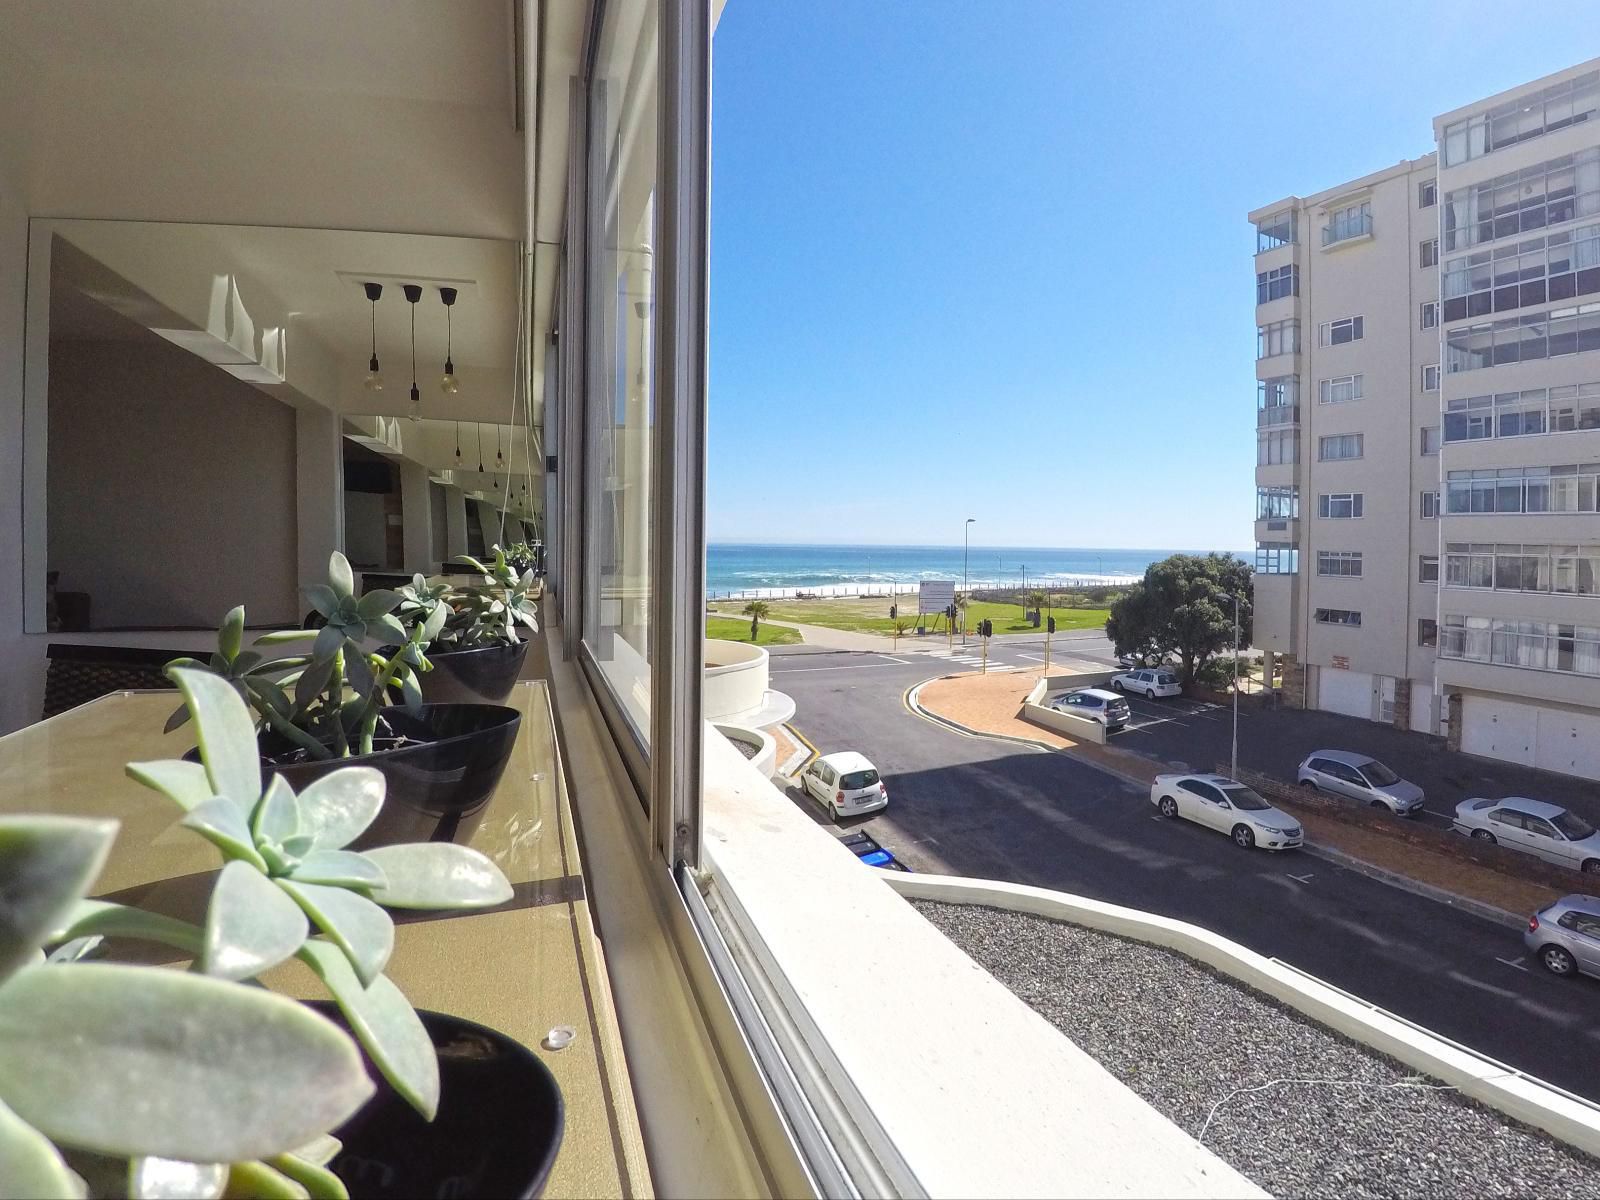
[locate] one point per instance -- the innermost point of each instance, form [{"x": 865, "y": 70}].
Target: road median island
[{"x": 1438, "y": 859}]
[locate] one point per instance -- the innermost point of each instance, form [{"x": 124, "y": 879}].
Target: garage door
[
  {"x": 1347, "y": 692},
  {"x": 1499, "y": 729},
  {"x": 1568, "y": 742}
]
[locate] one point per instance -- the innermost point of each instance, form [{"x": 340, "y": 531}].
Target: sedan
[
  {"x": 1093, "y": 704},
  {"x": 1360, "y": 777},
  {"x": 1228, "y": 806},
  {"x": 1149, "y": 684},
  {"x": 1546, "y": 831},
  {"x": 1565, "y": 937}
]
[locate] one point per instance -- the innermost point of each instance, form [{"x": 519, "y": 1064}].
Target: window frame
[
  {"x": 1328, "y": 331},
  {"x": 1428, "y": 193},
  {"x": 1354, "y": 501},
  {"x": 1339, "y": 564},
  {"x": 1349, "y": 618}
]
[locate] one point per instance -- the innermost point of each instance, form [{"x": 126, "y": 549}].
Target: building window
[
  {"x": 1526, "y": 201},
  {"x": 1561, "y": 489},
  {"x": 1339, "y": 562},
  {"x": 1429, "y": 507},
  {"x": 1337, "y": 616},
  {"x": 1279, "y": 337},
  {"x": 1274, "y": 231},
  {"x": 1427, "y": 193},
  {"x": 1553, "y": 334},
  {"x": 1515, "y": 567},
  {"x": 1277, "y": 447},
  {"x": 1278, "y": 283},
  {"x": 1559, "y": 266},
  {"x": 1428, "y": 568},
  {"x": 1337, "y": 333},
  {"x": 1338, "y": 446},
  {"x": 1536, "y": 645},
  {"x": 1339, "y": 506},
  {"x": 1339, "y": 390},
  {"x": 1427, "y": 631},
  {"x": 1529, "y": 116},
  {"x": 1429, "y": 314},
  {"x": 1428, "y": 253},
  {"x": 1346, "y": 223},
  {"x": 1522, "y": 413},
  {"x": 1277, "y": 400},
  {"x": 1277, "y": 503},
  {"x": 1429, "y": 440},
  {"x": 1430, "y": 377},
  {"x": 1277, "y": 558}
]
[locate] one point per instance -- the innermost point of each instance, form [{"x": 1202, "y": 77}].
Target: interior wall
[
  {"x": 18, "y": 663},
  {"x": 438, "y": 523},
  {"x": 171, "y": 487},
  {"x": 366, "y": 531}
]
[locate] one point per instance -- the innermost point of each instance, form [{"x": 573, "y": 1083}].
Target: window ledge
[{"x": 949, "y": 1076}]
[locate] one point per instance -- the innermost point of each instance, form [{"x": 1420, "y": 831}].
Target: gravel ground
[{"x": 1366, "y": 1127}]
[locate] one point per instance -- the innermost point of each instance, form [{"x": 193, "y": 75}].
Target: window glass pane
[{"x": 621, "y": 300}]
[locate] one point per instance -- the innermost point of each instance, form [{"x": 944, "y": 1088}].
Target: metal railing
[{"x": 1345, "y": 230}]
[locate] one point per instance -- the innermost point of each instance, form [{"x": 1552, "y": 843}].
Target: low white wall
[
  {"x": 766, "y": 758},
  {"x": 736, "y": 677},
  {"x": 1079, "y": 729},
  {"x": 1521, "y": 1097}
]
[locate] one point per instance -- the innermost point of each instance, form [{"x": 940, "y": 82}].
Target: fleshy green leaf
[
  {"x": 359, "y": 673},
  {"x": 338, "y": 868},
  {"x": 286, "y": 635},
  {"x": 169, "y": 1179},
  {"x": 410, "y": 693},
  {"x": 30, "y": 1165},
  {"x": 437, "y": 875},
  {"x": 221, "y": 823},
  {"x": 320, "y": 1151},
  {"x": 99, "y": 918},
  {"x": 46, "y": 865},
  {"x": 226, "y": 734},
  {"x": 231, "y": 636},
  {"x": 323, "y": 599},
  {"x": 385, "y": 1023},
  {"x": 251, "y": 926},
  {"x": 386, "y": 626},
  {"x": 277, "y": 814},
  {"x": 435, "y": 622},
  {"x": 261, "y": 1182},
  {"x": 377, "y": 602},
  {"x": 319, "y": 1182},
  {"x": 337, "y": 807},
  {"x": 329, "y": 639},
  {"x": 340, "y": 577},
  {"x": 131, "y": 1061},
  {"x": 314, "y": 678},
  {"x": 186, "y": 784},
  {"x": 355, "y": 924}
]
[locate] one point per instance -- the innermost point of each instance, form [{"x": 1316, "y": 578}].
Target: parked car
[
  {"x": 1150, "y": 684},
  {"x": 1094, "y": 704},
  {"x": 1228, "y": 806},
  {"x": 1138, "y": 662},
  {"x": 845, "y": 784},
  {"x": 1360, "y": 777},
  {"x": 1534, "y": 827},
  {"x": 1566, "y": 936}
]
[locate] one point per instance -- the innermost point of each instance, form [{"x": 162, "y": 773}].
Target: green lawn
[
  {"x": 872, "y": 616},
  {"x": 733, "y": 629}
]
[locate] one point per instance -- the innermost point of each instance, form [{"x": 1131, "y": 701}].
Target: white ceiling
[{"x": 444, "y": 51}]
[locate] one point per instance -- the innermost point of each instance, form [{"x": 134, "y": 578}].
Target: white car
[
  {"x": 845, "y": 784},
  {"x": 1094, "y": 704},
  {"x": 1150, "y": 684},
  {"x": 1228, "y": 806},
  {"x": 1546, "y": 831}
]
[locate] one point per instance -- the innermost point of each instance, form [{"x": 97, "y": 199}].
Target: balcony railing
[
  {"x": 1278, "y": 414},
  {"x": 1343, "y": 231}
]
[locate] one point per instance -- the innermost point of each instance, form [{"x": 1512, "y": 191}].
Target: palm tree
[
  {"x": 962, "y": 600},
  {"x": 900, "y": 626},
  {"x": 755, "y": 610}
]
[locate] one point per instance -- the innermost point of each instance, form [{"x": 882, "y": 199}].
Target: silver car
[
  {"x": 1360, "y": 777},
  {"x": 1566, "y": 936},
  {"x": 1547, "y": 831},
  {"x": 1094, "y": 704}
]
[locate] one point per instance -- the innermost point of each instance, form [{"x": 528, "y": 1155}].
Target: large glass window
[
  {"x": 1339, "y": 505},
  {"x": 1525, "y": 117},
  {"x": 1277, "y": 283},
  {"x": 1336, "y": 616},
  {"x": 1339, "y": 390},
  {"x": 1562, "y": 489},
  {"x": 1552, "y": 334},
  {"x": 1559, "y": 266},
  {"x": 620, "y": 403},
  {"x": 1550, "y": 193},
  {"x": 1337, "y": 333},
  {"x": 1335, "y": 447},
  {"x": 1277, "y": 558},
  {"x": 1276, "y": 447},
  {"x": 1563, "y": 409},
  {"x": 1572, "y": 570},
  {"x": 1277, "y": 503},
  {"x": 1538, "y": 645},
  {"x": 1339, "y": 562},
  {"x": 1274, "y": 231},
  {"x": 1277, "y": 400},
  {"x": 1278, "y": 337},
  {"x": 1354, "y": 220}
]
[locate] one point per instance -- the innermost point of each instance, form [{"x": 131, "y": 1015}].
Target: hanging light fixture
[
  {"x": 458, "y": 445},
  {"x": 413, "y": 293},
  {"x": 479, "y": 424},
  {"x": 374, "y": 380},
  {"x": 447, "y": 381}
]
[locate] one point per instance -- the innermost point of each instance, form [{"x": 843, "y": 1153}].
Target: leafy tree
[
  {"x": 1184, "y": 606},
  {"x": 1037, "y": 600},
  {"x": 755, "y": 610}
]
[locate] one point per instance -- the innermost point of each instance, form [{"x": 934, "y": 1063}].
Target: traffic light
[
  {"x": 986, "y": 628},
  {"x": 950, "y": 611},
  {"x": 1050, "y": 624}
]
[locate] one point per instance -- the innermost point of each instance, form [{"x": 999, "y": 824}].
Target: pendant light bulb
[
  {"x": 448, "y": 384},
  {"x": 374, "y": 380}
]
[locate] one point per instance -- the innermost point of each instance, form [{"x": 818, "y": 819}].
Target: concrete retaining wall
[{"x": 1076, "y": 728}]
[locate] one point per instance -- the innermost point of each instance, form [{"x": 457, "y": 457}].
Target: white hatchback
[
  {"x": 845, "y": 784},
  {"x": 1229, "y": 807},
  {"x": 1149, "y": 684}
]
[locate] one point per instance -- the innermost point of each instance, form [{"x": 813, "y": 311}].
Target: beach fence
[{"x": 868, "y": 591}]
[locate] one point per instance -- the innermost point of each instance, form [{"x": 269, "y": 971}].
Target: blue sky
[{"x": 990, "y": 259}]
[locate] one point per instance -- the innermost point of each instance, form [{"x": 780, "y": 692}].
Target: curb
[
  {"x": 801, "y": 756},
  {"x": 909, "y": 699},
  {"x": 1477, "y": 908}
]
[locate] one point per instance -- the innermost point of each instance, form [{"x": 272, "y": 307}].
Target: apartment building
[{"x": 1428, "y": 426}]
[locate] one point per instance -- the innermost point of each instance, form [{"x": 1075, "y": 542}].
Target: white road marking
[
  {"x": 1437, "y": 813},
  {"x": 1514, "y": 962},
  {"x": 1032, "y": 657},
  {"x": 1306, "y": 878},
  {"x": 902, "y": 661},
  {"x": 1504, "y": 993}
]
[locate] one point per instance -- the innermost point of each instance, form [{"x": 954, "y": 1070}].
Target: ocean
[{"x": 742, "y": 570}]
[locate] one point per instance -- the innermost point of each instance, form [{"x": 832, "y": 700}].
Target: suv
[
  {"x": 1148, "y": 683},
  {"x": 1360, "y": 777},
  {"x": 1093, "y": 704},
  {"x": 1566, "y": 936}
]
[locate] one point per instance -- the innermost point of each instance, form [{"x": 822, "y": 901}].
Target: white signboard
[{"x": 936, "y": 595}]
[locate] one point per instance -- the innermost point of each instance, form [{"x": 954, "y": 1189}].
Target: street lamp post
[
  {"x": 1233, "y": 769},
  {"x": 966, "y": 585}
]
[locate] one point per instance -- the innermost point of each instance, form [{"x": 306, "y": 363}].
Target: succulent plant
[
  {"x": 521, "y": 556},
  {"x": 477, "y": 615}
]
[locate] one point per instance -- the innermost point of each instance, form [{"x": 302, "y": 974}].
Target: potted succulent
[
  {"x": 474, "y": 649},
  {"x": 120, "y": 1079},
  {"x": 522, "y": 557},
  {"x": 333, "y": 704}
]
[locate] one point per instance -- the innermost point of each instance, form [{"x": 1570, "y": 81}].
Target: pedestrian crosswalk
[{"x": 956, "y": 656}]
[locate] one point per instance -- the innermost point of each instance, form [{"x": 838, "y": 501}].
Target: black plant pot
[
  {"x": 496, "y": 1134},
  {"x": 482, "y": 676},
  {"x": 440, "y": 780}
]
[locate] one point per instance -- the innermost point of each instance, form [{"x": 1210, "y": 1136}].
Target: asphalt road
[{"x": 979, "y": 807}]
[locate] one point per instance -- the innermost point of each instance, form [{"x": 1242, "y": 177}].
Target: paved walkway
[{"x": 831, "y": 639}]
